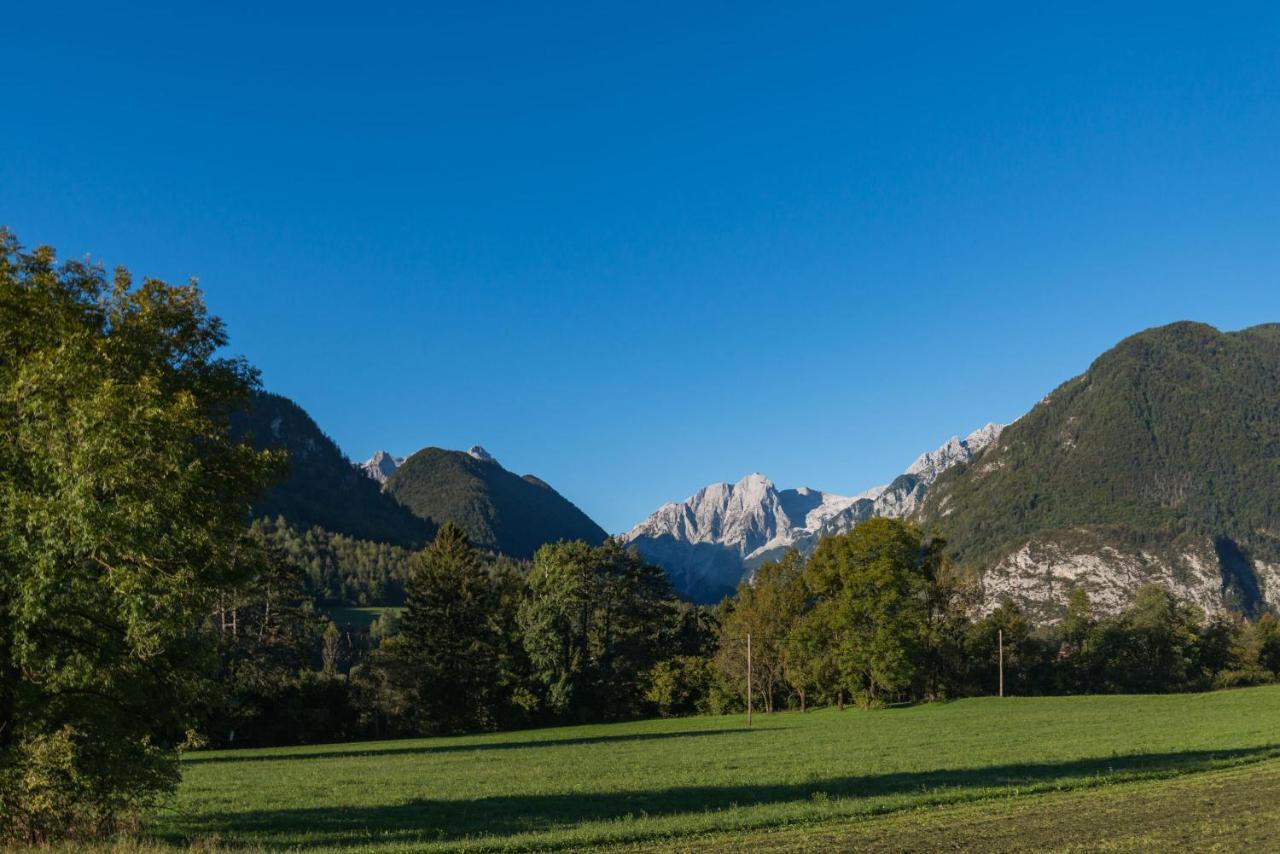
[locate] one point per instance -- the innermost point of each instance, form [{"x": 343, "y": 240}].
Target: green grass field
[{"x": 919, "y": 777}]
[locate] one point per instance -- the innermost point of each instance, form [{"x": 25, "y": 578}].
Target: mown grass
[
  {"x": 1236, "y": 809},
  {"x": 672, "y": 783}
]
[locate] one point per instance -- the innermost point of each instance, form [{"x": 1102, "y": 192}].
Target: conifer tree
[{"x": 450, "y": 648}]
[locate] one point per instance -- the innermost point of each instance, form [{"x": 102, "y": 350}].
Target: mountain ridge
[
  {"x": 323, "y": 488},
  {"x": 500, "y": 511},
  {"x": 708, "y": 541}
]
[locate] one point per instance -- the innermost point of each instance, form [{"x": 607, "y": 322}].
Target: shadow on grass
[
  {"x": 505, "y": 815},
  {"x": 197, "y": 759}
]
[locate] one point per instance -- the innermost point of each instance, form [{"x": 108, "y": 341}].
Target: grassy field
[{"x": 900, "y": 778}]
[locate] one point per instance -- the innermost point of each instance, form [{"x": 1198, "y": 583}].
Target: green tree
[
  {"x": 877, "y": 578},
  {"x": 681, "y": 685},
  {"x": 266, "y": 635},
  {"x": 1149, "y": 647},
  {"x": 450, "y": 646},
  {"x": 1076, "y": 667},
  {"x": 766, "y": 607},
  {"x": 595, "y": 621},
  {"x": 1027, "y": 656},
  {"x": 808, "y": 656},
  {"x": 952, "y": 596},
  {"x": 1267, "y": 642},
  {"x": 123, "y": 507}
]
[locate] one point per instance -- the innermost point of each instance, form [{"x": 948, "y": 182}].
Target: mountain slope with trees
[
  {"x": 499, "y": 511},
  {"x": 324, "y": 489},
  {"x": 1161, "y": 462}
]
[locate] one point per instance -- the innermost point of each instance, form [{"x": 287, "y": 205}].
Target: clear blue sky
[{"x": 635, "y": 252}]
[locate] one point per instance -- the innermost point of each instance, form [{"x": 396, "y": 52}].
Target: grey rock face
[
  {"x": 381, "y": 466},
  {"x": 710, "y": 540}
]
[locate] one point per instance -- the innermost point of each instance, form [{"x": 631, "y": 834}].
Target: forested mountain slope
[
  {"x": 498, "y": 510},
  {"x": 323, "y": 487},
  {"x": 1161, "y": 462}
]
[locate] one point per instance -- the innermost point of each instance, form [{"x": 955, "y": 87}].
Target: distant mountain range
[
  {"x": 403, "y": 501},
  {"x": 1160, "y": 463},
  {"x": 710, "y": 540}
]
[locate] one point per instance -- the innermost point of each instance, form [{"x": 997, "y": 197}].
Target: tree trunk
[
  {"x": 802, "y": 701},
  {"x": 840, "y": 700}
]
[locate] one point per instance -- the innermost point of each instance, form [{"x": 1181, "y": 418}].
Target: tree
[
  {"x": 595, "y": 621},
  {"x": 681, "y": 685},
  {"x": 808, "y": 656},
  {"x": 1026, "y": 656},
  {"x": 1267, "y": 642},
  {"x": 331, "y": 649},
  {"x": 952, "y": 596},
  {"x": 450, "y": 648},
  {"x": 1149, "y": 647},
  {"x": 877, "y": 579},
  {"x": 766, "y": 607},
  {"x": 266, "y": 634},
  {"x": 123, "y": 507}
]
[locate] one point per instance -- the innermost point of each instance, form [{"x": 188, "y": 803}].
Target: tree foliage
[
  {"x": 123, "y": 504},
  {"x": 339, "y": 569},
  {"x": 595, "y": 620},
  {"x": 451, "y": 645},
  {"x": 875, "y": 581}
]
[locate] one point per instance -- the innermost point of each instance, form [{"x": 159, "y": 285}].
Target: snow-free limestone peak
[
  {"x": 381, "y": 466},
  {"x": 706, "y": 542}
]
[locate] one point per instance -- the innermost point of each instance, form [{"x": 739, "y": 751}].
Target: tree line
[
  {"x": 880, "y": 615},
  {"x": 875, "y": 617}
]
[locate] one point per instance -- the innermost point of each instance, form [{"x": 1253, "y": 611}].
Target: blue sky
[{"x": 638, "y": 251}]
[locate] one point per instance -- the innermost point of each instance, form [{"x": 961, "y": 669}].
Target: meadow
[{"x": 1002, "y": 768}]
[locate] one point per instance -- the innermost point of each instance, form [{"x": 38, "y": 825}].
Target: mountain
[
  {"x": 708, "y": 541},
  {"x": 1160, "y": 463},
  {"x": 323, "y": 488},
  {"x": 499, "y": 511},
  {"x": 381, "y": 466}
]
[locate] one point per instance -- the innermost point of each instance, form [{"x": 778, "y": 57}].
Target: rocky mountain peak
[
  {"x": 381, "y": 466},
  {"x": 708, "y": 541},
  {"x": 481, "y": 454},
  {"x": 955, "y": 450}
]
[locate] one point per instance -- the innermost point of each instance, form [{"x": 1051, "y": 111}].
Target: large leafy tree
[
  {"x": 876, "y": 580},
  {"x": 123, "y": 503}
]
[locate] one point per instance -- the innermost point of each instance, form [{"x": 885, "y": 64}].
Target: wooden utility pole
[
  {"x": 1000, "y": 636},
  {"x": 748, "y": 678}
]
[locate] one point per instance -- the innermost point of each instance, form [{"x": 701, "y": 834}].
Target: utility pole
[
  {"x": 748, "y": 679},
  {"x": 1000, "y": 635}
]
